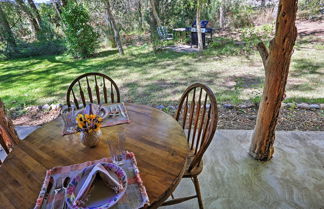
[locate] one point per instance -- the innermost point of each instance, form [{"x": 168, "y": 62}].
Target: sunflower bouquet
[{"x": 88, "y": 123}]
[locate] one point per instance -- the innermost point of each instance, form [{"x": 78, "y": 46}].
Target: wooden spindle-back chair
[
  {"x": 197, "y": 114},
  {"x": 8, "y": 135},
  {"x": 96, "y": 87}
]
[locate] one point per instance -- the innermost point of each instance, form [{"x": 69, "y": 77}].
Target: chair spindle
[
  {"x": 97, "y": 90},
  {"x": 112, "y": 94},
  {"x": 196, "y": 119},
  {"x": 201, "y": 123},
  {"x": 89, "y": 90},
  {"x": 105, "y": 90},
  {"x": 82, "y": 95},
  {"x": 185, "y": 113},
  {"x": 192, "y": 111},
  {"x": 75, "y": 100}
]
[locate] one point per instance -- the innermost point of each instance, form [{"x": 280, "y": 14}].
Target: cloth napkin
[
  {"x": 115, "y": 114},
  {"x": 101, "y": 172}
]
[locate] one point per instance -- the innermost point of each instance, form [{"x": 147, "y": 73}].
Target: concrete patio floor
[{"x": 294, "y": 178}]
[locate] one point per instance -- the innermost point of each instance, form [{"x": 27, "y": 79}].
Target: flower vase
[{"x": 90, "y": 139}]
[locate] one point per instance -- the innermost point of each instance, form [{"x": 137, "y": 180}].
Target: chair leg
[{"x": 197, "y": 187}]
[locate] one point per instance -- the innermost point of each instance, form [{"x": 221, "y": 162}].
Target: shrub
[
  {"x": 80, "y": 37},
  {"x": 38, "y": 48},
  {"x": 241, "y": 15}
]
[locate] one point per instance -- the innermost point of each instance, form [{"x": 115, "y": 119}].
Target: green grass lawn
[{"x": 147, "y": 78}]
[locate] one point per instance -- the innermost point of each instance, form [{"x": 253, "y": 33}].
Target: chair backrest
[
  {"x": 197, "y": 112},
  {"x": 162, "y": 31},
  {"x": 203, "y": 23},
  {"x": 8, "y": 135},
  {"x": 104, "y": 90}
]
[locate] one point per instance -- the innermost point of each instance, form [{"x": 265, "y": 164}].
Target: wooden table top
[{"x": 157, "y": 140}]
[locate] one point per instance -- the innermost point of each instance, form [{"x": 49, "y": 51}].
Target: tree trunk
[
  {"x": 64, "y": 3},
  {"x": 114, "y": 27},
  {"x": 7, "y": 130},
  {"x": 35, "y": 11},
  {"x": 7, "y": 32},
  {"x": 149, "y": 17},
  {"x": 221, "y": 15},
  {"x": 140, "y": 16},
  {"x": 200, "y": 41},
  {"x": 155, "y": 14},
  {"x": 276, "y": 63},
  {"x": 36, "y": 28}
]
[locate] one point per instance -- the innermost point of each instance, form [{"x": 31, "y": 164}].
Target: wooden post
[
  {"x": 7, "y": 130},
  {"x": 276, "y": 62}
]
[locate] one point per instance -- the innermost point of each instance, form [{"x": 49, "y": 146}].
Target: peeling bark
[
  {"x": 276, "y": 62},
  {"x": 7, "y": 130}
]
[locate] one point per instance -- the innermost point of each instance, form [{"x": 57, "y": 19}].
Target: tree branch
[{"x": 264, "y": 53}]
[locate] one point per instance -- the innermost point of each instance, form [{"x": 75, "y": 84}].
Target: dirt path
[{"x": 306, "y": 28}]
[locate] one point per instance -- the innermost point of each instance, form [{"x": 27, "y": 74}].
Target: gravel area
[
  {"x": 289, "y": 119},
  {"x": 229, "y": 118}
]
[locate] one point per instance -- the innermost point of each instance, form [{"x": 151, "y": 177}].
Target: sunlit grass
[{"x": 147, "y": 78}]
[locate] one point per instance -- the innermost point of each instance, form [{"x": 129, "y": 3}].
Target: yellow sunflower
[{"x": 80, "y": 118}]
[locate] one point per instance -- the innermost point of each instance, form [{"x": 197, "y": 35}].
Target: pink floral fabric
[{"x": 134, "y": 197}]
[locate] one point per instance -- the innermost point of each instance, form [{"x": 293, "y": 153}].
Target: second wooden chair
[{"x": 197, "y": 114}]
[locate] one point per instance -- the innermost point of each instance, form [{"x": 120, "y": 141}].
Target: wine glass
[{"x": 68, "y": 116}]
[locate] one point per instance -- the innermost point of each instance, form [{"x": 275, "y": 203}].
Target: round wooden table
[{"x": 157, "y": 140}]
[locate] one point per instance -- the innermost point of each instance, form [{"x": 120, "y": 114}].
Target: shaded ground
[
  {"x": 306, "y": 28},
  {"x": 289, "y": 119}
]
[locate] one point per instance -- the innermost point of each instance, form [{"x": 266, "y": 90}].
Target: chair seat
[{"x": 195, "y": 171}]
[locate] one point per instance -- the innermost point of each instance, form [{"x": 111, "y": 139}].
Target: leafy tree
[
  {"x": 6, "y": 33},
  {"x": 81, "y": 38}
]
